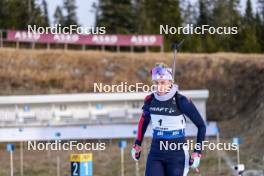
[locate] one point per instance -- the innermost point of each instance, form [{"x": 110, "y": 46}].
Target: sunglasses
[{"x": 161, "y": 71}]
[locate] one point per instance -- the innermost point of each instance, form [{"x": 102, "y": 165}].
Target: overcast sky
[{"x": 86, "y": 15}]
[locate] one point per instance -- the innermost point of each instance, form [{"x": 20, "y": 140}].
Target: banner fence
[{"x": 93, "y": 40}]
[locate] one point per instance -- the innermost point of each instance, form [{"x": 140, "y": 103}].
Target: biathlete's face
[{"x": 162, "y": 86}]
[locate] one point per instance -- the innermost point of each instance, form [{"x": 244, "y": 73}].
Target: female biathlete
[{"x": 166, "y": 108}]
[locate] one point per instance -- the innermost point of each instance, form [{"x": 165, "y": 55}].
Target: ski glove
[
  {"x": 195, "y": 160},
  {"x": 135, "y": 152}
]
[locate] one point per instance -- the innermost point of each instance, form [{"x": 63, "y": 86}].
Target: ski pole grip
[{"x": 176, "y": 45}]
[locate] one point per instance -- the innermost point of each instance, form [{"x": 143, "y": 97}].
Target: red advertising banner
[{"x": 110, "y": 40}]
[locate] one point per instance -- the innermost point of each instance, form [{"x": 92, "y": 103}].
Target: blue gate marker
[
  {"x": 236, "y": 140},
  {"x": 10, "y": 147},
  {"x": 122, "y": 144},
  {"x": 216, "y": 130}
]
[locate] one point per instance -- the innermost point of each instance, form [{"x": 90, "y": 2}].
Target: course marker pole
[
  {"x": 236, "y": 141},
  {"x": 122, "y": 146},
  {"x": 21, "y": 158},
  {"x": 10, "y": 148},
  {"x": 58, "y": 166},
  {"x": 218, "y": 152},
  {"x": 136, "y": 163}
]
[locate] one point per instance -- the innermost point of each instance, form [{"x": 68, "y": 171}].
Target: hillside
[{"x": 235, "y": 82}]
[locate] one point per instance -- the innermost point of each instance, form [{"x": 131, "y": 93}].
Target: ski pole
[{"x": 175, "y": 46}]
